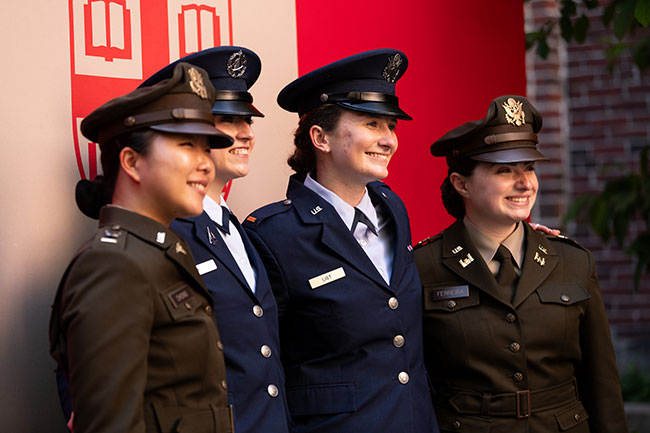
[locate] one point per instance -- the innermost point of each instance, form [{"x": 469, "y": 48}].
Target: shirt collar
[
  {"x": 345, "y": 211},
  {"x": 213, "y": 209},
  {"x": 487, "y": 247}
]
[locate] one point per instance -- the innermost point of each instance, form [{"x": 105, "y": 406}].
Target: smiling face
[
  {"x": 497, "y": 196},
  {"x": 232, "y": 162},
  {"x": 358, "y": 150},
  {"x": 174, "y": 174}
]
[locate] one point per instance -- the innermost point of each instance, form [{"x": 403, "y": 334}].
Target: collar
[
  {"x": 487, "y": 247},
  {"x": 213, "y": 209},
  {"x": 345, "y": 211}
]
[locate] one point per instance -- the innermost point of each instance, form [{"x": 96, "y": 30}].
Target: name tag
[
  {"x": 206, "y": 267},
  {"x": 179, "y": 296},
  {"x": 327, "y": 277},
  {"x": 453, "y": 292}
]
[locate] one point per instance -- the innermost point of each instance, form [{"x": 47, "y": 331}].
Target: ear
[
  {"x": 130, "y": 162},
  {"x": 460, "y": 184},
  {"x": 319, "y": 139}
]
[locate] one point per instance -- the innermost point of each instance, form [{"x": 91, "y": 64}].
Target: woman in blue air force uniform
[
  {"x": 244, "y": 306},
  {"x": 339, "y": 258}
]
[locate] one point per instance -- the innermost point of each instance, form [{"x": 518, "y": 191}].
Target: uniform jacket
[
  {"x": 133, "y": 330},
  {"x": 342, "y": 359},
  {"x": 554, "y": 333},
  {"x": 250, "y": 337}
]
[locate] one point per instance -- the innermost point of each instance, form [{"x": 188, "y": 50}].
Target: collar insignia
[
  {"x": 180, "y": 249},
  {"x": 160, "y": 237},
  {"x": 196, "y": 83},
  {"x": 315, "y": 210},
  {"x": 391, "y": 71},
  {"x": 457, "y": 249},
  {"x": 466, "y": 261},
  {"x": 514, "y": 112},
  {"x": 236, "y": 65},
  {"x": 211, "y": 237},
  {"x": 542, "y": 249},
  {"x": 539, "y": 259}
]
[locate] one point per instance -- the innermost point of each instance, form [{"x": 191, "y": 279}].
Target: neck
[
  {"x": 496, "y": 232},
  {"x": 215, "y": 189},
  {"x": 133, "y": 204},
  {"x": 349, "y": 191}
]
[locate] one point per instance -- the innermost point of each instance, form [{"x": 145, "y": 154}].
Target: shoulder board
[
  {"x": 110, "y": 237},
  {"x": 564, "y": 239},
  {"x": 427, "y": 241},
  {"x": 259, "y": 215}
]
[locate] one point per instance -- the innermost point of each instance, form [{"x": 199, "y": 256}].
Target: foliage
[
  {"x": 624, "y": 17},
  {"x": 610, "y": 212},
  {"x": 635, "y": 385}
]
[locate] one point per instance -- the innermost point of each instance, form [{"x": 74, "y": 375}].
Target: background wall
[{"x": 461, "y": 55}]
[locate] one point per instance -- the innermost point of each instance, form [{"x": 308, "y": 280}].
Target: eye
[
  {"x": 530, "y": 167},
  {"x": 248, "y": 119},
  {"x": 372, "y": 123},
  {"x": 226, "y": 119},
  {"x": 392, "y": 126},
  {"x": 503, "y": 169},
  {"x": 186, "y": 143}
]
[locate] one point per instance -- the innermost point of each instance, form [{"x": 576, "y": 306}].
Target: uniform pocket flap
[
  {"x": 449, "y": 297},
  {"x": 179, "y": 300},
  {"x": 571, "y": 417},
  {"x": 562, "y": 293},
  {"x": 322, "y": 399}
]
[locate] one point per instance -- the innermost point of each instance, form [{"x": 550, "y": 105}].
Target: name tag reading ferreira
[
  {"x": 453, "y": 292},
  {"x": 327, "y": 277}
]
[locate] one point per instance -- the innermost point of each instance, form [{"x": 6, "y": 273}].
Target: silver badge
[
  {"x": 236, "y": 65},
  {"x": 315, "y": 210},
  {"x": 457, "y": 250},
  {"x": 391, "y": 71},
  {"x": 466, "y": 261},
  {"x": 160, "y": 237}
]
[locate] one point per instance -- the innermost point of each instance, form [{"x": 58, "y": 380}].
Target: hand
[
  {"x": 543, "y": 229},
  {"x": 70, "y": 421}
]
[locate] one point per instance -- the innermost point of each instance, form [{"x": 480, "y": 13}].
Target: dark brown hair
[{"x": 451, "y": 199}]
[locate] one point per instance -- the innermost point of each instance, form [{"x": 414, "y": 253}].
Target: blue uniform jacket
[
  {"x": 247, "y": 331},
  {"x": 352, "y": 347}
]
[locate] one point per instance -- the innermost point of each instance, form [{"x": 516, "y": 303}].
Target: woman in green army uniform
[
  {"x": 515, "y": 333},
  {"x": 132, "y": 325}
]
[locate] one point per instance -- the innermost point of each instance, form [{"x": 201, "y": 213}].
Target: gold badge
[
  {"x": 196, "y": 83},
  {"x": 514, "y": 112},
  {"x": 391, "y": 71},
  {"x": 539, "y": 259},
  {"x": 236, "y": 65},
  {"x": 542, "y": 249},
  {"x": 466, "y": 261},
  {"x": 457, "y": 250},
  {"x": 180, "y": 249}
]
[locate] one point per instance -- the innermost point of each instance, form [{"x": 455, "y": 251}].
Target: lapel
[
  {"x": 219, "y": 250},
  {"x": 539, "y": 261},
  {"x": 313, "y": 209},
  {"x": 476, "y": 271}
]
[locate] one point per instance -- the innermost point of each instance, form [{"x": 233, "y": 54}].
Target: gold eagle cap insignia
[
  {"x": 514, "y": 112},
  {"x": 236, "y": 65},
  {"x": 196, "y": 83},
  {"x": 391, "y": 71}
]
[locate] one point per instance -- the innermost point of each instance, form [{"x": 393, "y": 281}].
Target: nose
[
  {"x": 388, "y": 138},
  {"x": 205, "y": 163},
  {"x": 245, "y": 132},
  {"x": 523, "y": 180}
]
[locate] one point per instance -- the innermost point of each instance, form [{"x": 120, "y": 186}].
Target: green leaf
[
  {"x": 642, "y": 12},
  {"x": 568, "y": 8},
  {"x": 609, "y": 12},
  {"x": 566, "y": 28},
  {"x": 641, "y": 54},
  {"x": 581, "y": 27},
  {"x": 579, "y": 206},
  {"x": 621, "y": 222},
  {"x": 531, "y": 38},
  {"x": 600, "y": 218},
  {"x": 625, "y": 18},
  {"x": 542, "y": 47}
]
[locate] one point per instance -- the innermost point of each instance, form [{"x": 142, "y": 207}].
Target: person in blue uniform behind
[
  {"x": 245, "y": 308},
  {"x": 339, "y": 257}
]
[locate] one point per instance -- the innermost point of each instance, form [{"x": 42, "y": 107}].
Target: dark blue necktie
[
  {"x": 225, "y": 220},
  {"x": 360, "y": 217}
]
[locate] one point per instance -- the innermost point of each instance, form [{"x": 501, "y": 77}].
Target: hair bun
[{"x": 91, "y": 196}]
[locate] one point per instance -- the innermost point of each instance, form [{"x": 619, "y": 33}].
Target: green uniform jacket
[
  {"x": 133, "y": 330},
  {"x": 553, "y": 340}
]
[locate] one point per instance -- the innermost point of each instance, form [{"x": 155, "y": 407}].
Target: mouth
[
  {"x": 240, "y": 151},
  {"x": 381, "y": 156},
  {"x": 518, "y": 200},
  {"x": 199, "y": 186}
]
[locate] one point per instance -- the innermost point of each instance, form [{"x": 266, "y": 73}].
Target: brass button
[
  {"x": 451, "y": 304},
  {"x": 219, "y": 345},
  {"x": 393, "y": 303},
  {"x": 265, "y": 351},
  {"x": 257, "y": 310},
  {"x": 576, "y": 417},
  {"x": 208, "y": 309},
  {"x": 403, "y": 378},
  {"x": 224, "y": 385},
  {"x": 287, "y": 202},
  {"x": 398, "y": 341},
  {"x": 518, "y": 377},
  {"x": 129, "y": 121},
  {"x": 272, "y": 390},
  {"x": 565, "y": 298},
  {"x": 457, "y": 425},
  {"x": 188, "y": 305},
  {"x": 510, "y": 318},
  {"x": 514, "y": 347}
]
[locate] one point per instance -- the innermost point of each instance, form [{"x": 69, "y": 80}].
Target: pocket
[
  {"x": 571, "y": 418},
  {"x": 562, "y": 293},
  {"x": 450, "y": 297},
  {"x": 323, "y": 399},
  {"x": 180, "y": 300},
  {"x": 174, "y": 419},
  {"x": 454, "y": 422}
]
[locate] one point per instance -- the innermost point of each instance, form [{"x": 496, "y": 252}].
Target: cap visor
[
  {"x": 236, "y": 108},
  {"x": 520, "y": 154},
  {"x": 381, "y": 108},
  {"x": 216, "y": 138}
]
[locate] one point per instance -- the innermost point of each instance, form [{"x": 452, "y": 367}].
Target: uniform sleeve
[
  {"x": 273, "y": 270},
  {"x": 598, "y": 380},
  {"x": 107, "y": 315}
]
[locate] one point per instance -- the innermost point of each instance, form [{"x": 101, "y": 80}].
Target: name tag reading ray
[
  {"x": 206, "y": 267},
  {"x": 453, "y": 292},
  {"x": 327, "y": 277}
]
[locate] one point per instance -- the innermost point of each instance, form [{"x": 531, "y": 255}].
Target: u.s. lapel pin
[
  {"x": 539, "y": 259},
  {"x": 457, "y": 249},
  {"x": 211, "y": 237},
  {"x": 466, "y": 261},
  {"x": 315, "y": 210},
  {"x": 180, "y": 249},
  {"x": 542, "y": 249}
]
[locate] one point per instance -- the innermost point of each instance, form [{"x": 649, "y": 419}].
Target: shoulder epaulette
[
  {"x": 111, "y": 237},
  {"x": 427, "y": 241},
  {"x": 267, "y": 211},
  {"x": 562, "y": 238}
]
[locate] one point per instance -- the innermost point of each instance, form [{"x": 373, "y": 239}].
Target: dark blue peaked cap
[
  {"x": 363, "y": 82},
  {"x": 232, "y": 71}
]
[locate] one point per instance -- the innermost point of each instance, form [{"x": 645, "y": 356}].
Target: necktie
[
  {"x": 360, "y": 217},
  {"x": 507, "y": 275},
  {"x": 225, "y": 221}
]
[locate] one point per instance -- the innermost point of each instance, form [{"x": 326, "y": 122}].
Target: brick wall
[{"x": 595, "y": 123}]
